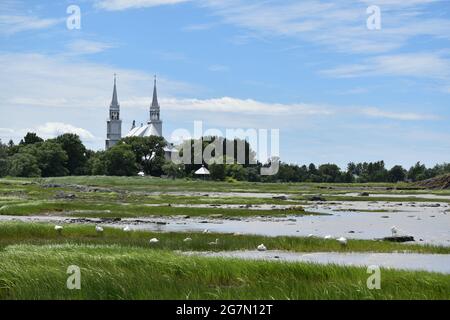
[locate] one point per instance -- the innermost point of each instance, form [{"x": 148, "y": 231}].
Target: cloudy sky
[{"x": 337, "y": 91}]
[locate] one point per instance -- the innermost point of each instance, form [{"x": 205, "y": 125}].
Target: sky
[{"x": 337, "y": 90}]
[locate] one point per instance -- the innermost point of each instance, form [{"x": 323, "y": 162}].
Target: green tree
[
  {"x": 120, "y": 161},
  {"x": 149, "y": 153},
  {"x": 76, "y": 153},
  {"x": 23, "y": 165},
  {"x": 3, "y": 159},
  {"x": 173, "y": 170},
  {"x": 30, "y": 138},
  {"x": 96, "y": 164},
  {"x": 396, "y": 174},
  {"x": 50, "y": 156}
]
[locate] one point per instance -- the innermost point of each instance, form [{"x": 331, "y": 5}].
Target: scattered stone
[
  {"x": 216, "y": 215},
  {"x": 385, "y": 217},
  {"x": 317, "y": 198},
  {"x": 279, "y": 197},
  {"x": 364, "y": 194},
  {"x": 63, "y": 195},
  {"x": 399, "y": 239},
  {"x": 351, "y": 231},
  {"x": 161, "y": 223}
]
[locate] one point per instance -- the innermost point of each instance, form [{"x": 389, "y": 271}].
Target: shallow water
[
  {"x": 428, "y": 223},
  {"x": 396, "y": 195},
  {"x": 405, "y": 261}
]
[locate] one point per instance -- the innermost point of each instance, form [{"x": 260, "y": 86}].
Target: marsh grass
[
  {"x": 116, "y": 272},
  {"x": 41, "y": 234}
]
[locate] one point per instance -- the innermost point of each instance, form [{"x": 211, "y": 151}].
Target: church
[{"x": 153, "y": 127}]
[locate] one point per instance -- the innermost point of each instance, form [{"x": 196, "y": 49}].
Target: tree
[
  {"x": 3, "y": 159},
  {"x": 30, "y": 138},
  {"x": 50, "y": 156},
  {"x": 23, "y": 165},
  {"x": 173, "y": 170},
  {"x": 76, "y": 153},
  {"x": 120, "y": 161},
  {"x": 396, "y": 174},
  {"x": 149, "y": 153},
  {"x": 96, "y": 164},
  {"x": 418, "y": 172}
]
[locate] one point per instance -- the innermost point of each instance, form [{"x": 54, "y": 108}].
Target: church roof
[{"x": 143, "y": 131}]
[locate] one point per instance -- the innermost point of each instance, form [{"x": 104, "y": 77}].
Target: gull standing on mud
[{"x": 261, "y": 247}]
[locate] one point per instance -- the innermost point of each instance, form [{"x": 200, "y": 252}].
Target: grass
[
  {"x": 118, "y": 265},
  {"x": 43, "y": 234},
  {"x": 115, "y": 272},
  {"x": 98, "y": 209}
]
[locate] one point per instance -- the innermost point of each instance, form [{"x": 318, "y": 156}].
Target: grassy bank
[
  {"x": 42, "y": 234},
  {"x": 114, "y": 272}
]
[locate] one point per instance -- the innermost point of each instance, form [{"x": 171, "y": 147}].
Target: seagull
[
  {"x": 154, "y": 240},
  {"x": 206, "y": 231},
  {"x": 127, "y": 229},
  {"x": 187, "y": 240},
  {"x": 310, "y": 235},
  {"x": 261, "y": 247},
  {"x": 394, "y": 231},
  {"x": 327, "y": 237},
  {"x": 214, "y": 243},
  {"x": 342, "y": 241},
  {"x": 98, "y": 229},
  {"x": 58, "y": 228}
]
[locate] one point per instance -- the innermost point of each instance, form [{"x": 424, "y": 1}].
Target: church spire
[
  {"x": 114, "y": 102},
  {"x": 155, "y": 95}
]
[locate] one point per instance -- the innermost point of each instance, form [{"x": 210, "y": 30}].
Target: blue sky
[{"x": 337, "y": 91}]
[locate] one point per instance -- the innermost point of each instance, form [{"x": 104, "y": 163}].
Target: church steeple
[
  {"x": 154, "y": 108},
  {"x": 113, "y": 124},
  {"x": 114, "y": 101}
]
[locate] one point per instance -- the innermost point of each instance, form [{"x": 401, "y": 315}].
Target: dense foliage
[{"x": 66, "y": 155}]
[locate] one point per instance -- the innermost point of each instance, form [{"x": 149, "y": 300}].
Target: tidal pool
[{"x": 405, "y": 261}]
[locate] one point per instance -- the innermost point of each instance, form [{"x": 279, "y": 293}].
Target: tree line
[{"x": 66, "y": 155}]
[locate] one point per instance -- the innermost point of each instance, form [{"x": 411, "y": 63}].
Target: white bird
[
  {"x": 58, "y": 228},
  {"x": 154, "y": 240},
  {"x": 342, "y": 241},
  {"x": 187, "y": 240},
  {"x": 261, "y": 247},
  {"x": 394, "y": 231},
  {"x": 327, "y": 237},
  {"x": 206, "y": 231},
  {"x": 310, "y": 235},
  {"x": 214, "y": 243},
  {"x": 98, "y": 229},
  {"x": 127, "y": 229}
]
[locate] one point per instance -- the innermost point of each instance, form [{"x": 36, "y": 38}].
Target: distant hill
[{"x": 440, "y": 182}]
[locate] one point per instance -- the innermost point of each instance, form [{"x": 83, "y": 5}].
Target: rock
[
  {"x": 280, "y": 197},
  {"x": 364, "y": 194},
  {"x": 162, "y": 223},
  {"x": 399, "y": 239},
  {"x": 63, "y": 195},
  {"x": 385, "y": 217},
  {"x": 351, "y": 231},
  {"x": 216, "y": 215},
  {"x": 317, "y": 198}
]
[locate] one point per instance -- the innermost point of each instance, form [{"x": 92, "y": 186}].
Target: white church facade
[{"x": 153, "y": 127}]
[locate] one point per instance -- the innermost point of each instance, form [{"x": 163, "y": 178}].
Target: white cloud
[
  {"x": 115, "y": 5},
  {"x": 218, "y": 68},
  {"x": 11, "y": 24},
  {"x": 82, "y": 46},
  {"x": 339, "y": 25},
  {"x": 403, "y": 116},
  {"x": 54, "y": 129},
  {"x": 423, "y": 65}
]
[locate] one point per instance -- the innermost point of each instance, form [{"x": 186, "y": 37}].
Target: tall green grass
[
  {"x": 115, "y": 272},
  {"x": 41, "y": 234}
]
